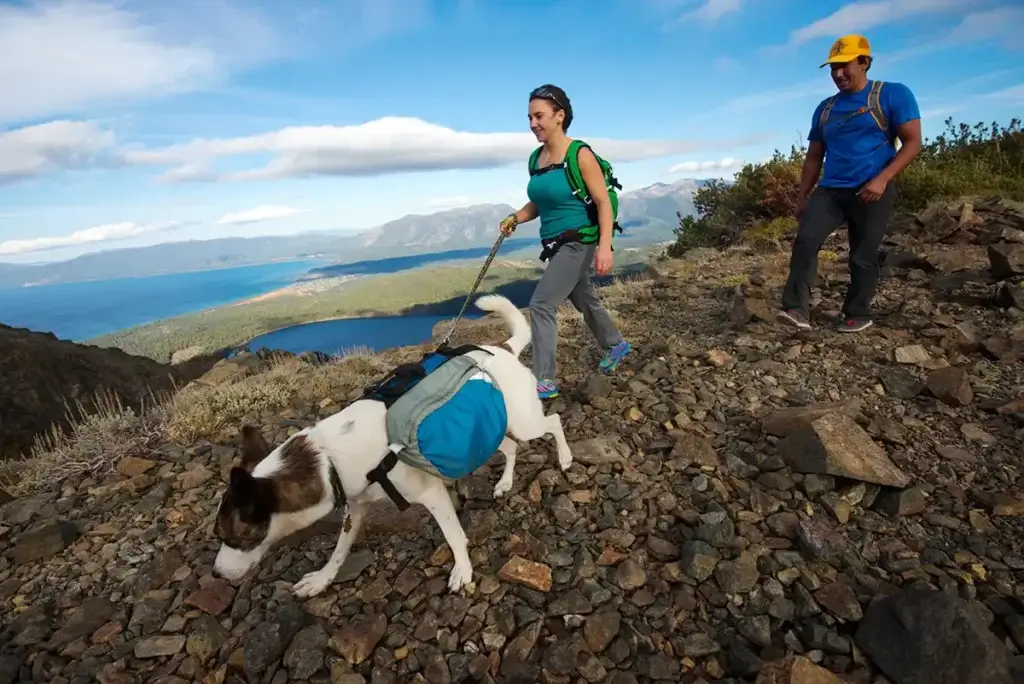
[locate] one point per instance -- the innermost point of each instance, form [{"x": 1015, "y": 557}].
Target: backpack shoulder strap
[
  {"x": 825, "y": 112},
  {"x": 572, "y": 169},
  {"x": 875, "y": 105},
  {"x": 531, "y": 165}
]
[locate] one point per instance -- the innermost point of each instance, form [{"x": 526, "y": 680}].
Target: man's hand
[
  {"x": 508, "y": 224},
  {"x": 801, "y": 205},
  {"x": 874, "y": 190},
  {"x": 603, "y": 260}
]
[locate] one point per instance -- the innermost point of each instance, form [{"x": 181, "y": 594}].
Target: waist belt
[{"x": 552, "y": 245}]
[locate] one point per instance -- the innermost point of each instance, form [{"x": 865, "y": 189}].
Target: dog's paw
[
  {"x": 460, "y": 577},
  {"x": 565, "y": 460},
  {"x": 312, "y": 583},
  {"x": 502, "y": 488}
]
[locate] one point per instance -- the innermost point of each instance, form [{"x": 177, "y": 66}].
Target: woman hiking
[{"x": 563, "y": 228}]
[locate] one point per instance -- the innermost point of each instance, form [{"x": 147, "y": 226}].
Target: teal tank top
[{"x": 558, "y": 209}]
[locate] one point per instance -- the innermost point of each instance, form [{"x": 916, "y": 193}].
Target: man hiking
[{"x": 854, "y": 132}]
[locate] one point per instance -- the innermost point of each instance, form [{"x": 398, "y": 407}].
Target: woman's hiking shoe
[
  {"x": 547, "y": 389},
  {"x": 854, "y": 324},
  {"x": 795, "y": 318},
  {"x": 611, "y": 359}
]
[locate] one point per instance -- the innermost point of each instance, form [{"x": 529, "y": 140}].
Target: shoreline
[{"x": 297, "y": 288}]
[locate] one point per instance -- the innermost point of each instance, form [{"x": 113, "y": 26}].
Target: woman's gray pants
[{"x": 567, "y": 277}]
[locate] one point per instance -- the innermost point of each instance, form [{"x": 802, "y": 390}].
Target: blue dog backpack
[{"x": 445, "y": 416}]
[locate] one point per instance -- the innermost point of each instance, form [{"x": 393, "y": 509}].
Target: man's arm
[
  {"x": 811, "y": 169},
  {"x": 910, "y": 146},
  {"x": 905, "y": 117}
]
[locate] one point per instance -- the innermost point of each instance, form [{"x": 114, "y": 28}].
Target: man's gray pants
[{"x": 567, "y": 277}]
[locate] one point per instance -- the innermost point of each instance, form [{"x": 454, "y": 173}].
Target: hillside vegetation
[{"x": 757, "y": 208}]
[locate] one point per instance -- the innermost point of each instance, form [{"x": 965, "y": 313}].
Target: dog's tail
[{"x": 513, "y": 317}]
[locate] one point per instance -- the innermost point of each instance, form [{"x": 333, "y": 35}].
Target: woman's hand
[
  {"x": 508, "y": 224},
  {"x": 603, "y": 260}
]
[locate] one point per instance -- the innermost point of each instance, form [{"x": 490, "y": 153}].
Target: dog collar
[{"x": 336, "y": 489}]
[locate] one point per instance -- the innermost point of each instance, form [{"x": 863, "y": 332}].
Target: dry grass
[
  {"x": 90, "y": 448},
  {"x": 736, "y": 279},
  {"x": 200, "y": 412},
  {"x": 629, "y": 288},
  {"x": 97, "y": 439},
  {"x": 771, "y": 235}
]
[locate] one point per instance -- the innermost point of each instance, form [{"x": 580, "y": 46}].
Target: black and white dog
[{"x": 280, "y": 491}]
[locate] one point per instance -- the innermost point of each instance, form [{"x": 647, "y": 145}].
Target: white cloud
[
  {"x": 62, "y": 56},
  {"x": 726, "y": 164},
  {"x": 998, "y": 25},
  {"x": 1014, "y": 93},
  {"x": 105, "y": 233},
  {"x": 713, "y": 10},
  {"x": 861, "y": 16},
  {"x": 59, "y": 56},
  {"x": 267, "y": 212},
  {"x": 1002, "y": 24},
  {"x": 702, "y": 11},
  {"x": 755, "y": 104},
  {"x": 35, "y": 150},
  {"x": 386, "y": 145}
]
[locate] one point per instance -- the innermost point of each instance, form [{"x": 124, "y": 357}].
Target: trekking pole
[{"x": 479, "y": 279}]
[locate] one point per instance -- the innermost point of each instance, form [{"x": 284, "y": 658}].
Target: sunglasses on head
[{"x": 544, "y": 93}]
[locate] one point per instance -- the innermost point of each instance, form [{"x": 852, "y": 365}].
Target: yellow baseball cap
[{"x": 847, "y": 49}]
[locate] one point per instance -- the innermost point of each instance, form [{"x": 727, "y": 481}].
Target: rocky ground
[{"x": 748, "y": 503}]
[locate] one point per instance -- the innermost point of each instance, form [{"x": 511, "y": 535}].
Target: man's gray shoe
[{"x": 794, "y": 318}]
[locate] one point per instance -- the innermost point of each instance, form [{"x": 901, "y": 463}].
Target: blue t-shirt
[
  {"x": 856, "y": 149},
  {"x": 558, "y": 209}
]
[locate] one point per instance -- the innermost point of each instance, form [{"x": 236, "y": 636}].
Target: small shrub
[
  {"x": 827, "y": 256},
  {"x": 90, "y": 447},
  {"x": 766, "y": 235},
  {"x": 200, "y": 412},
  {"x": 736, "y": 279},
  {"x": 691, "y": 233},
  {"x": 355, "y": 370}
]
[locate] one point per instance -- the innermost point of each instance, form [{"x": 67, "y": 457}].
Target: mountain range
[{"x": 647, "y": 215}]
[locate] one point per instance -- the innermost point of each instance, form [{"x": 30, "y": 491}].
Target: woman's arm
[
  {"x": 509, "y": 223},
  {"x": 594, "y": 180},
  {"x": 527, "y": 213}
]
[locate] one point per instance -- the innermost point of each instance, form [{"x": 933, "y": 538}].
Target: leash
[{"x": 479, "y": 279}]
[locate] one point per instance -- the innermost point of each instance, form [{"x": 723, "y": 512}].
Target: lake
[
  {"x": 333, "y": 337},
  {"x": 82, "y": 311}
]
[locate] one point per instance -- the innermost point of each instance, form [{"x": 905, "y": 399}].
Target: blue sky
[{"x": 131, "y": 122}]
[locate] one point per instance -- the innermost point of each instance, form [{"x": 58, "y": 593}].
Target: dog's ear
[
  {"x": 253, "y": 497},
  {"x": 254, "y": 447},
  {"x": 241, "y": 483}
]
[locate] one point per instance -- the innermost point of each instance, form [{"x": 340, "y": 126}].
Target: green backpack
[{"x": 588, "y": 234}]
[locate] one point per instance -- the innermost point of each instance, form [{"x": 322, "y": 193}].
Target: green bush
[{"x": 758, "y": 205}]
